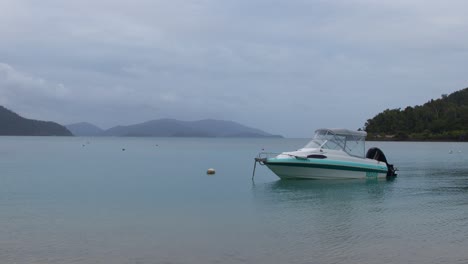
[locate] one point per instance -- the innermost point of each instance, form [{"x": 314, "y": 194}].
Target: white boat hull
[
  {"x": 310, "y": 170},
  {"x": 331, "y": 154}
]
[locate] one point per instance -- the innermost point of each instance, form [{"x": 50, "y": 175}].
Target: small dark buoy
[
  {"x": 210, "y": 171},
  {"x": 123, "y": 149}
]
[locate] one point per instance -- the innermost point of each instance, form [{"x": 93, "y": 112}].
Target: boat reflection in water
[
  {"x": 325, "y": 191},
  {"x": 330, "y": 220}
]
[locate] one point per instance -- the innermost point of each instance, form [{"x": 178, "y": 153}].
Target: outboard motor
[{"x": 377, "y": 154}]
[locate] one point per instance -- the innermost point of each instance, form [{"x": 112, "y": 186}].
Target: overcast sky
[{"x": 284, "y": 66}]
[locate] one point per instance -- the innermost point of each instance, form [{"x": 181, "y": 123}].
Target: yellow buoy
[{"x": 210, "y": 171}]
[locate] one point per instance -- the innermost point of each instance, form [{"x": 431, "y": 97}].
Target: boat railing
[
  {"x": 266, "y": 155},
  {"x": 261, "y": 158}
]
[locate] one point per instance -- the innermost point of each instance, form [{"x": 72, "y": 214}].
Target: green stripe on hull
[{"x": 335, "y": 165}]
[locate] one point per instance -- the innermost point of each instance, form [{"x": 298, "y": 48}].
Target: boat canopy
[{"x": 351, "y": 142}]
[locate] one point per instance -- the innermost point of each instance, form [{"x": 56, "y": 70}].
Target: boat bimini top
[{"x": 351, "y": 142}]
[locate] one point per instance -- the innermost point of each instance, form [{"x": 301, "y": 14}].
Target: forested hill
[
  {"x": 11, "y": 124},
  {"x": 441, "y": 119}
]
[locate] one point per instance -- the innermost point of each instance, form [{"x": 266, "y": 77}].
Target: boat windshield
[{"x": 350, "y": 142}]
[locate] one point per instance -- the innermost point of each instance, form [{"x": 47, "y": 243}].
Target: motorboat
[{"x": 331, "y": 154}]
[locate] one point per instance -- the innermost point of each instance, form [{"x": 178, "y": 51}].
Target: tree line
[{"x": 445, "y": 118}]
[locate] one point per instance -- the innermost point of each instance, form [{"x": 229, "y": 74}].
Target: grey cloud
[
  {"x": 284, "y": 66},
  {"x": 15, "y": 83}
]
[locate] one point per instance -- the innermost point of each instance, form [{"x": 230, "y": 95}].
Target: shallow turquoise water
[{"x": 85, "y": 200}]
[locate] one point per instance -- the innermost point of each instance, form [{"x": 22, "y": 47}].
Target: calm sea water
[{"x": 86, "y": 200}]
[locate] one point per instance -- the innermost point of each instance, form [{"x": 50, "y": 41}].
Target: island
[
  {"x": 172, "y": 128},
  {"x": 12, "y": 124},
  {"x": 443, "y": 119}
]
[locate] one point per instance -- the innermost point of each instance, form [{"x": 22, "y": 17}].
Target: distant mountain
[
  {"x": 84, "y": 129},
  {"x": 177, "y": 128},
  {"x": 12, "y": 124}
]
